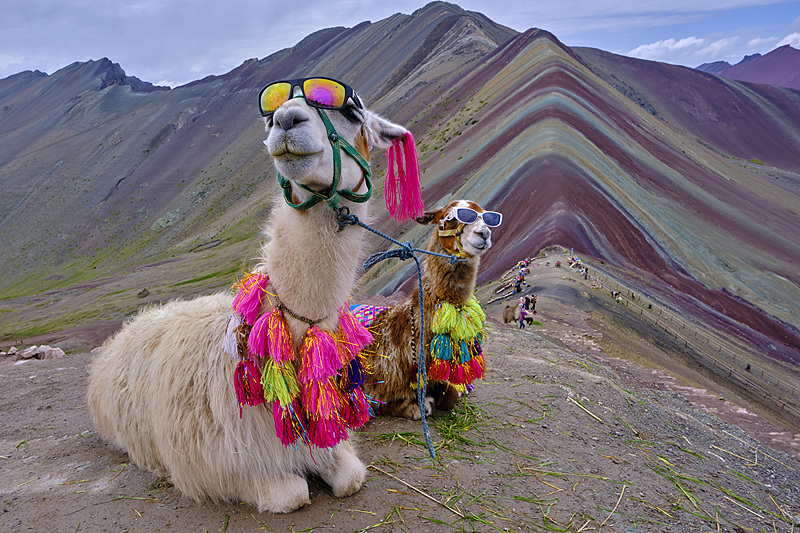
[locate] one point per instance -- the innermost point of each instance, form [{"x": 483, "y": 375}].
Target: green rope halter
[{"x": 332, "y": 195}]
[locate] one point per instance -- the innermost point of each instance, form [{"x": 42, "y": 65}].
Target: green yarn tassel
[
  {"x": 280, "y": 383},
  {"x": 445, "y": 318}
]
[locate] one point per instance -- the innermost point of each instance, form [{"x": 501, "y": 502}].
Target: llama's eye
[{"x": 353, "y": 114}]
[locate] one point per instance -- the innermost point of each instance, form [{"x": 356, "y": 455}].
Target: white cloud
[
  {"x": 792, "y": 39},
  {"x": 762, "y": 42},
  {"x": 689, "y": 50}
]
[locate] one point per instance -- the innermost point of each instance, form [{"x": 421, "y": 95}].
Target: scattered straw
[
  {"x": 415, "y": 489},
  {"x": 615, "y": 507},
  {"x": 573, "y": 400},
  {"x": 735, "y": 455},
  {"x": 743, "y": 507},
  {"x": 762, "y": 452}
]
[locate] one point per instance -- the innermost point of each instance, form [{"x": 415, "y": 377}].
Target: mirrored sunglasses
[
  {"x": 323, "y": 93},
  {"x": 466, "y": 215}
]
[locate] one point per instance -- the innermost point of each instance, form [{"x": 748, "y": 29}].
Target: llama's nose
[
  {"x": 289, "y": 118},
  {"x": 485, "y": 233}
]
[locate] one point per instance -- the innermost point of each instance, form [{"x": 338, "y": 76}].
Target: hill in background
[{"x": 778, "y": 67}]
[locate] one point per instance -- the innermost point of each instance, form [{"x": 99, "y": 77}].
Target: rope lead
[{"x": 406, "y": 251}]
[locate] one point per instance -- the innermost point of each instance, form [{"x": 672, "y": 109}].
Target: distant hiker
[
  {"x": 533, "y": 304},
  {"x": 748, "y": 367},
  {"x": 522, "y": 314},
  {"x": 586, "y": 273}
]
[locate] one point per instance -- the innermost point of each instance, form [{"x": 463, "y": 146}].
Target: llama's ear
[
  {"x": 428, "y": 217},
  {"x": 381, "y": 133}
]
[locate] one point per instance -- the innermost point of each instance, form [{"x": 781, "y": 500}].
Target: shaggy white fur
[{"x": 162, "y": 388}]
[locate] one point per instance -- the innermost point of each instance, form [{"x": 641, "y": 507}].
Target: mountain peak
[{"x": 779, "y": 67}]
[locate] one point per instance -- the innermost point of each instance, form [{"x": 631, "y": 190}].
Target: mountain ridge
[
  {"x": 780, "y": 66},
  {"x": 687, "y": 180}
]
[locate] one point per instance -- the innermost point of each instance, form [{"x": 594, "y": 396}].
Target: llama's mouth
[{"x": 479, "y": 244}]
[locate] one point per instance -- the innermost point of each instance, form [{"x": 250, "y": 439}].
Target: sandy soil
[{"x": 562, "y": 435}]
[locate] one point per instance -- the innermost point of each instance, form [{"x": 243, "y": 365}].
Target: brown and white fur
[
  {"x": 162, "y": 388},
  {"x": 394, "y": 362}
]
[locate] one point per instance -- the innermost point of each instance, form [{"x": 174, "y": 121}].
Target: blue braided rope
[{"x": 406, "y": 251}]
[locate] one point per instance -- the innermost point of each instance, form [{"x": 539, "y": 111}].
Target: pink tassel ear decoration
[
  {"x": 248, "y": 300},
  {"x": 402, "y": 190}
]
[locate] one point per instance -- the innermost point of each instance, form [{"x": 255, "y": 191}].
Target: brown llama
[
  {"x": 164, "y": 390},
  {"x": 395, "y": 352}
]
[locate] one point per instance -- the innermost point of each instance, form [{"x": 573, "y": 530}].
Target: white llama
[
  {"x": 453, "y": 319},
  {"x": 162, "y": 388}
]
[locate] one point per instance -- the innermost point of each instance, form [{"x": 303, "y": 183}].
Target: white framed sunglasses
[{"x": 465, "y": 215}]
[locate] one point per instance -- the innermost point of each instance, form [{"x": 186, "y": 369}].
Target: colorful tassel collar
[
  {"x": 314, "y": 400},
  {"x": 456, "y": 352}
]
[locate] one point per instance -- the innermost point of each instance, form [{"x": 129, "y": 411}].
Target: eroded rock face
[{"x": 40, "y": 352}]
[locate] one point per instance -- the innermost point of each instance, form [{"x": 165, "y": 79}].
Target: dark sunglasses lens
[
  {"x": 492, "y": 218},
  {"x": 273, "y": 96},
  {"x": 320, "y": 92},
  {"x": 466, "y": 215}
]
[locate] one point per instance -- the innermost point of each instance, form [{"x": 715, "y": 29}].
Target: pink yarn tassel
[
  {"x": 356, "y": 410},
  {"x": 438, "y": 370},
  {"x": 402, "y": 190},
  {"x": 247, "y": 383},
  {"x": 355, "y": 337},
  {"x": 257, "y": 340},
  {"x": 288, "y": 424},
  {"x": 248, "y": 300},
  {"x": 327, "y": 433},
  {"x": 457, "y": 374},
  {"x": 319, "y": 356},
  {"x": 279, "y": 338},
  {"x": 321, "y": 399},
  {"x": 476, "y": 369}
]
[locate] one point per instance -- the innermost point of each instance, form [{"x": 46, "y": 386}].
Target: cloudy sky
[{"x": 172, "y": 42}]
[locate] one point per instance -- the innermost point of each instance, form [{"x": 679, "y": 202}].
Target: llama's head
[
  {"x": 306, "y": 122},
  {"x": 464, "y": 227}
]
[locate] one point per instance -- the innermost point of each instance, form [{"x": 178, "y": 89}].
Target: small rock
[
  {"x": 28, "y": 353},
  {"x": 144, "y": 293},
  {"x": 41, "y": 352},
  {"x": 13, "y": 350},
  {"x": 47, "y": 352}
]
